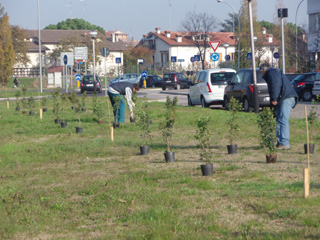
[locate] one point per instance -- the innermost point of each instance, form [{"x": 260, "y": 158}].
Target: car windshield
[
  {"x": 87, "y": 79},
  {"x": 221, "y": 77},
  {"x": 168, "y": 76}
]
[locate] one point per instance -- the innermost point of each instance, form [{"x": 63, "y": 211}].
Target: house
[
  {"x": 167, "y": 44},
  {"x": 313, "y": 10},
  {"x": 50, "y": 40}
]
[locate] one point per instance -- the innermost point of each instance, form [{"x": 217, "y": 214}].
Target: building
[
  {"x": 50, "y": 40},
  {"x": 313, "y": 10}
]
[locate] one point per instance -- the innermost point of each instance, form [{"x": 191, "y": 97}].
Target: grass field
[{"x": 56, "y": 184}]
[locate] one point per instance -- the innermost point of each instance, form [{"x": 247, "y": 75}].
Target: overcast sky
[{"x": 136, "y": 17}]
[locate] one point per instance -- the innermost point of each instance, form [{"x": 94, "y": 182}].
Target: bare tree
[{"x": 200, "y": 28}]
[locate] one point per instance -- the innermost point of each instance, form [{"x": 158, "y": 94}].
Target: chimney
[
  {"x": 168, "y": 33},
  {"x": 114, "y": 37},
  {"x": 264, "y": 30},
  {"x": 179, "y": 38},
  {"x": 158, "y": 30}
]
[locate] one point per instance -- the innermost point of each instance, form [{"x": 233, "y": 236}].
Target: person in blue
[
  {"x": 282, "y": 98},
  {"x": 121, "y": 90}
]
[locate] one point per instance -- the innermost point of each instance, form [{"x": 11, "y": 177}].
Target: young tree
[
  {"x": 200, "y": 27},
  {"x": 7, "y": 54}
]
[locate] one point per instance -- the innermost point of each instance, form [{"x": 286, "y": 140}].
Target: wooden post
[
  {"x": 40, "y": 109},
  {"x": 111, "y": 133},
  {"x": 111, "y": 127},
  {"x": 306, "y": 171},
  {"x": 8, "y": 104},
  {"x": 306, "y": 182}
]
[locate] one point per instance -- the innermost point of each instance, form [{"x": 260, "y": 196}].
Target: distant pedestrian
[
  {"x": 16, "y": 82},
  {"x": 283, "y": 98},
  {"x": 119, "y": 90}
]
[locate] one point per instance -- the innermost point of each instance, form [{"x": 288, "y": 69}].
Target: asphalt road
[{"x": 160, "y": 95}]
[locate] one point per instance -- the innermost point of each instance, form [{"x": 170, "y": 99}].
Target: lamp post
[
  {"x": 221, "y": 1},
  {"x": 40, "y": 58},
  {"x": 296, "y": 36},
  {"x": 93, "y": 35},
  {"x": 283, "y": 13}
]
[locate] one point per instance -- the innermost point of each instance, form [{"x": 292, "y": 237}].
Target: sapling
[
  {"x": 313, "y": 117},
  {"x": 267, "y": 129},
  {"x": 98, "y": 111},
  {"x": 234, "y": 107},
  {"x": 17, "y": 95},
  {"x": 73, "y": 99},
  {"x": 56, "y": 104},
  {"x": 83, "y": 100},
  {"x": 78, "y": 110},
  {"x": 64, "y": 99},
  {"x": 167, "y": 125},
  {"x": 203, "y": 136},
  {"x": 44, "y": 102},
  {"x": 31, "y": 104},
  {"x": 144, "y": 121},
  {"x": 23, "y": 100}
]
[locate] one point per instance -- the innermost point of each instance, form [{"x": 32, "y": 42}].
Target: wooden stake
[
  {"x": 306, "y": 172},
  {"x": 111, "y": 132},
  {"x": 40, "y": 109},
  {"x": 8, "y": 104},
  {"x": 40, "y": 113},
  {"x": 306, "y": 182},
  {"x": 111, "y": 127}
]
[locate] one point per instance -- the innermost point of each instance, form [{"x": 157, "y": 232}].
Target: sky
[{"x": 137, "y": 17}]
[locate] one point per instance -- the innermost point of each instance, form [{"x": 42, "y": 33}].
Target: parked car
[
  {"x": 87, "y": 84},
  {"x": 303, "y": 84},
  {"x": 128, "y": 77},
  {"x": 152, "y": 81},
  {"x": 241, "y": 88},
  {"x": 316, "y": 86},
  {"x": 208, "y": 87},
  {"x": 175, "y": 80}
]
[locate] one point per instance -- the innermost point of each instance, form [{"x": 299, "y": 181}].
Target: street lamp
[
  {"x": 221, "y": 1},
  {"x": 93, "y": 35},
  {"x": 40, "y": 58},
  {"x": 297, "y": 37},
  {"x": 283, "y": 13}
]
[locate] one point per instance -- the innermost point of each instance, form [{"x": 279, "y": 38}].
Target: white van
[
  {"x": 316, "y": 86},
  {"x": 208, "y": 87}
]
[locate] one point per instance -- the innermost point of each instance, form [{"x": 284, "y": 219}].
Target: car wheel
[
  {"x": 164, "y": 88},
  {"x": 190, "y": 102},
  {"x": 203, "y": 103},
  {"x": 225, "y": 103},
  {"x": 306, "y": 95},
  {"x": 178, "y": 87},
  {"x": 246, "y": 105}
]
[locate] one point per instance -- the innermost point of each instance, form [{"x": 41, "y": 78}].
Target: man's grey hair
[{"x": 264, "y": 66}]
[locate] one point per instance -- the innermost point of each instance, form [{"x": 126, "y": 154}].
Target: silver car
[
  {"x": 208, "y": 87},
  {"x": 128, "y": 77}
]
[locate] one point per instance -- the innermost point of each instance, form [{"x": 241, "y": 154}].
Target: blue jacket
[{"x": 279, "y": 85}]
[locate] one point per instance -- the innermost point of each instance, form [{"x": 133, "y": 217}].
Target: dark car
[
  {"x": 87, "y": 84},
  {"x": 303, "y": 84},
  {"x": 241, "y": 88},
  {"x": 151, "y": 81},
  {"x": 175, "y": 80}
]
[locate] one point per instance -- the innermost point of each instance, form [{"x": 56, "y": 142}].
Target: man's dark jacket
[
  {"x": 121, "y": 87},
  {"x": 279, "y": 85}
]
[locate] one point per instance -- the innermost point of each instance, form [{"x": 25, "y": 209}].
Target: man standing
[
  {"x": 283, "y": 98},
  {"x": 118, "y": 90}
]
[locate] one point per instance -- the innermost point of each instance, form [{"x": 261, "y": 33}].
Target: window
[
  {"x": 203, "y": 77},
  {"x": 314, "y": 23},
  {"x": 238, "y": 78}
]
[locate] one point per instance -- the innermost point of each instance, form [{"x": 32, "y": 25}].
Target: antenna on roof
[{"x": 170, "y": 13}]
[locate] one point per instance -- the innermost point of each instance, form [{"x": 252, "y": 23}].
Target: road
[{"x": 160, "y": 95}]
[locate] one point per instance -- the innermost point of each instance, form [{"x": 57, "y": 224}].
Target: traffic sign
[
  {"x": 180, "y": 60},
  {"x": 80, "y": 53},
  {"x": 249, "y": 56},
  {"x": 141, "y": 61},
  {"x": 78, "y": 77},
  {"x": 173, "y": 59},
  {"x": 192, "y": 59},
  {"x": 196, "y": 58},
  {"x": 69, "y": 58},
  {"x": 118, "y": 60},
  {"x": 105, "y": 52},
  {"x": 227, "y": 58},
  {"x": 65, "y": 59},
  {"x": 215, "y": 45},
  {"x": 144, "y": 73},
  {"x": 214, "y": 57},
  {"x": 276, "y": 55}
]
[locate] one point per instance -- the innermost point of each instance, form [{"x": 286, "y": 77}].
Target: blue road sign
[
  {"x": 196, "y": 58},
  {"x": 227, "y": 58},
  {"x": 65, "y": 59},
  {"x": 180, "y": 60},
  {"x": 144, "y": 73},
  {"x": 192, "y": 59},
  {"x": 214, "y": 57},
  {"x": 118, "y": 60},
  {"x": 78, "y": 77},
  {"x": 276, "y": 55},
  {"x": 173, "y": 59},
  {"x": 249, "y": 56}
]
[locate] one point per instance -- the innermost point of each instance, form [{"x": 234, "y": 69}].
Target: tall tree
[
  {"x": 7, "y": 55},
  {"x": 20, "y": 46},
  {"x": 133, "y": 53},
  {"x": 200, "y": 27},
  {"x": 230, "y": 23},
  {"x": 75, "y": 24}
]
